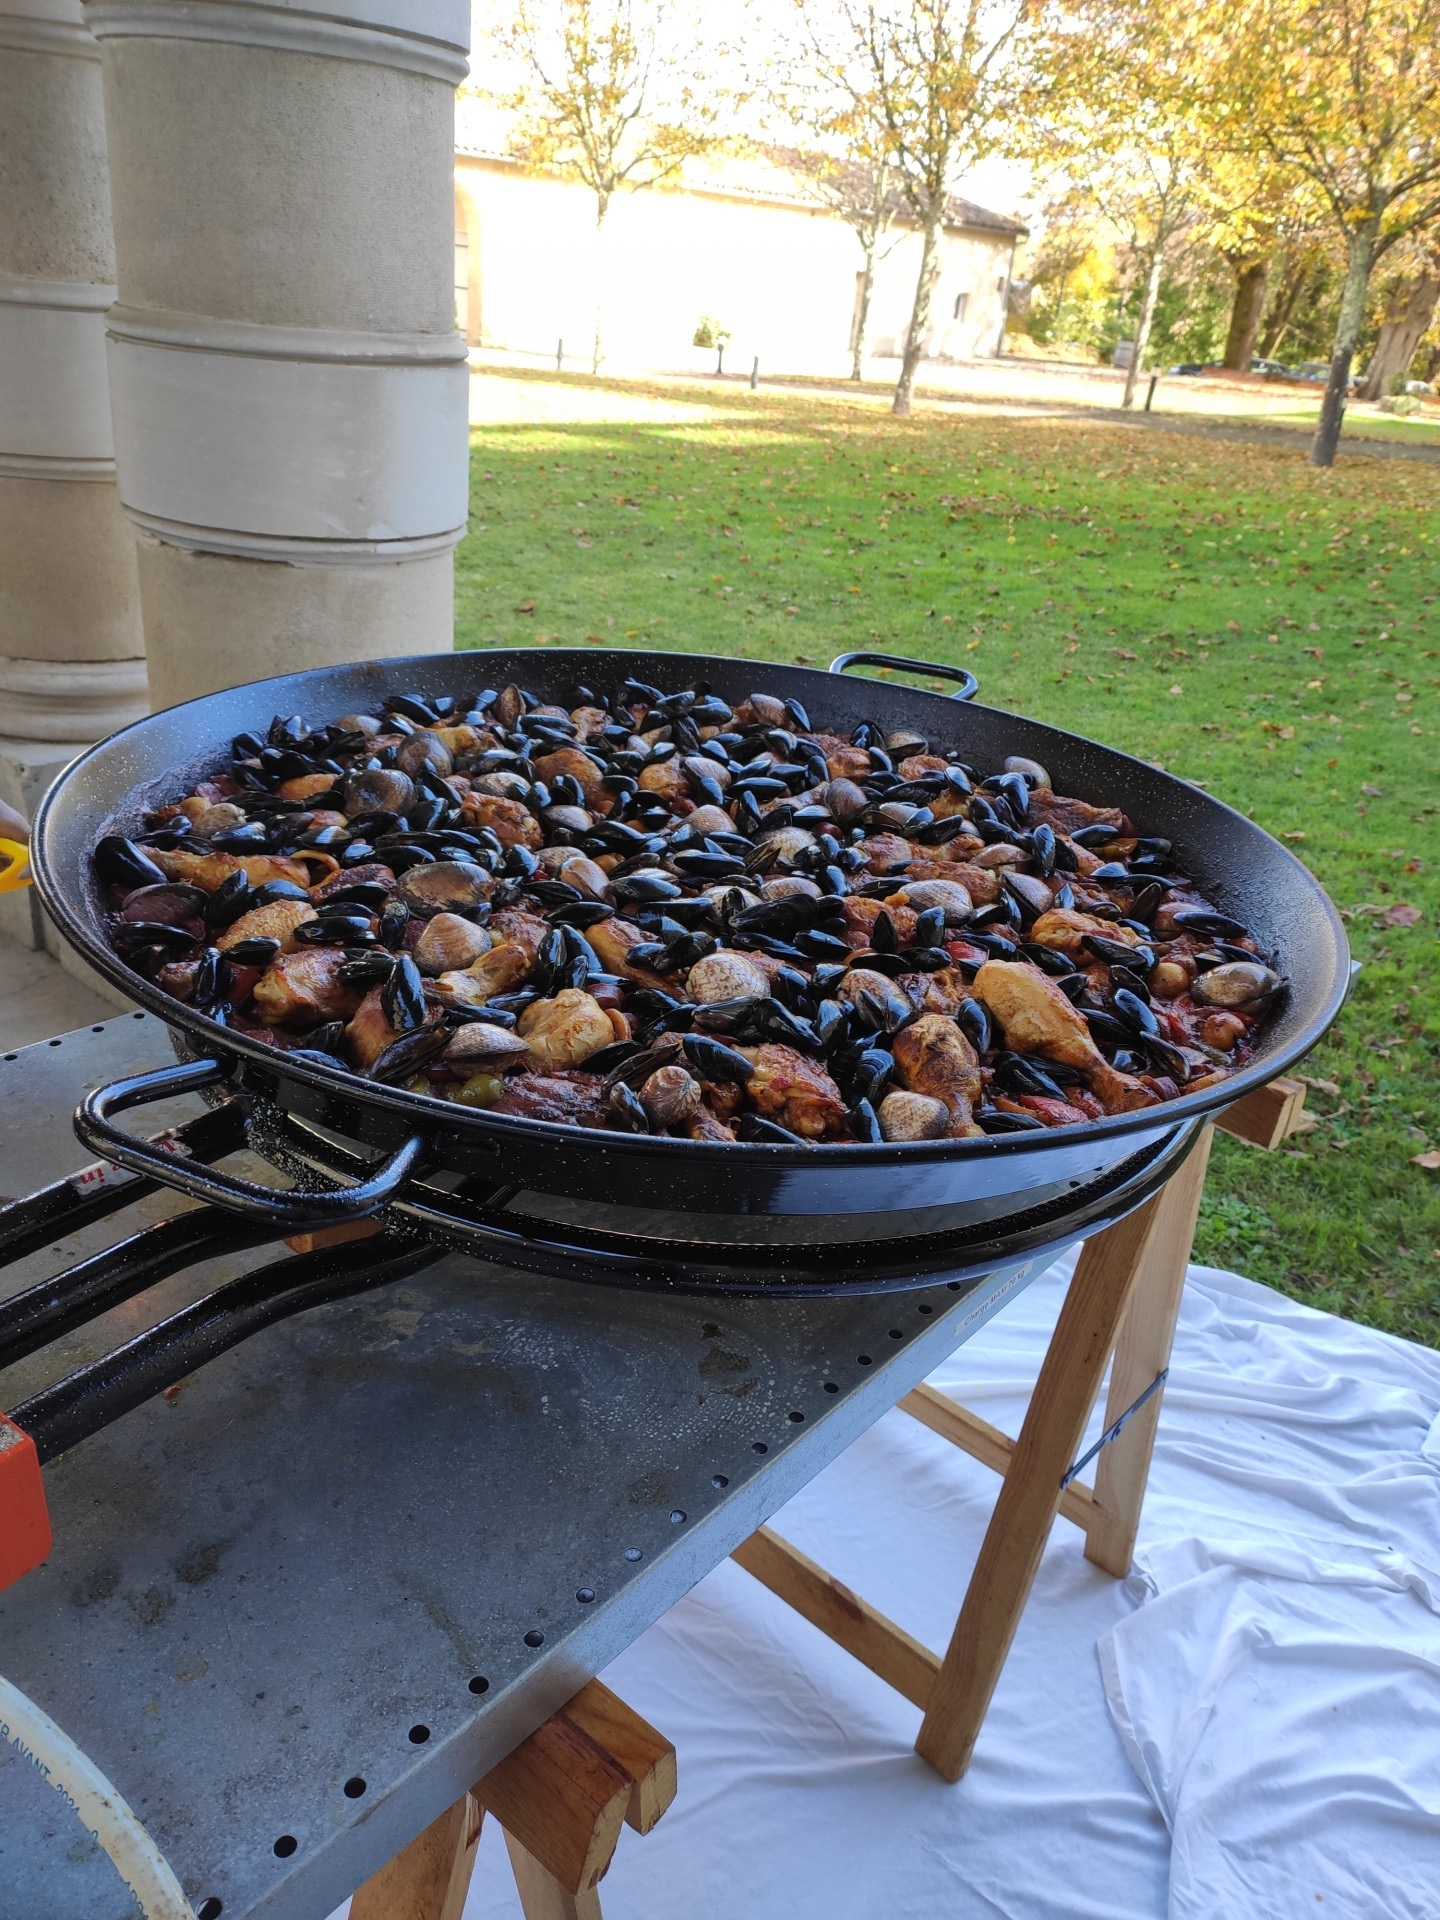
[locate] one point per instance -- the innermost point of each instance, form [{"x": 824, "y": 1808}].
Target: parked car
[{"x": 1277, "y": 369}]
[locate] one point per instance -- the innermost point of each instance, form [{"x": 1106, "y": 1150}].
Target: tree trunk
[
  {"x": 1147, "y": 320},
  {"x": 1406, "y": 322},
  {"x": 1252, "y": 277},
  {"x": 597, "y": 345},
  {"x": 919, "y": 313},
  {"x": 862, "y": 312},
  {"x": 1277, "y": 320},
  {"x": 1347, "y": 332}
]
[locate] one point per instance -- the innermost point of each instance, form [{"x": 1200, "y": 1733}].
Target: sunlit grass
[{"x": 1264, "y": 628}]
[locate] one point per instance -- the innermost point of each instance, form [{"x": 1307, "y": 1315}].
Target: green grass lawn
[{"x": 1224, "y": 610}]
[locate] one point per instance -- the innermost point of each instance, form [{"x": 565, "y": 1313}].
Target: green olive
[{"x": 480, "y": 1090}]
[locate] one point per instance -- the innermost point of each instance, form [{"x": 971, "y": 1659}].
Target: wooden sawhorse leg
[
  {"x": 561, "y": 1798},
  {"x": 1124, "y": 1299}
]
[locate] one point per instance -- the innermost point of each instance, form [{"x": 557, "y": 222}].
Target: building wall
[{"x": 781, "y": 278}]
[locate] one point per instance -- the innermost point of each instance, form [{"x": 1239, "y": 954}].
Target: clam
[
  {"x": 503, "y": 784},
  {"x": 670, "y": 1097},
  {"x": 709, "y": 820},
  {"x": 449, "y": 943},
  {"x": 423, "y": 750},
  {"x": 789, "y": 885},
  {"x": 1030, "y": 771},
  {"x": 217, "y": 818},
  {"x": 701, "y": 767},
  {"x": 845, "y": 800},
  {"x": 877, "y": 994},
  {"x": 913, "y": 1116},
  {"x": 1239, "y": 983},
  {"x": 905, "y": 741},
  {"x": 379, "y": 790},
  {"x": 780, "y": 849},
  {"x": 727, "y": 976},
  {"x": 765, "y": 707},
  {"x": 445, "y": 886},
  {"x": 479, "y": 1041},
  {"x": 952, "y": 899}
]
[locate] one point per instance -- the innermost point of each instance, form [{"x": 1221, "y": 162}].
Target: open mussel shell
[
  {"x": 1239, "y": 984},
  {"x": 170, "y": 903},
  {"x": 413, "y": 1050},
  {"x": 379, "y": 790},
  {"x": 120, "y": 863}
]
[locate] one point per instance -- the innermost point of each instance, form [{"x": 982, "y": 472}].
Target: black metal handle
[
  {"x": 969, "y": 685},
  {"x": 285, "y": 1208}
]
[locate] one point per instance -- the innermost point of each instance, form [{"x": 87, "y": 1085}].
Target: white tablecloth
[{"x": 1249, "y": 1727}]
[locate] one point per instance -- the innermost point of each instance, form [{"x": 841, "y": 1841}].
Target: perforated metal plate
[{"x": 295, "y": 1611}]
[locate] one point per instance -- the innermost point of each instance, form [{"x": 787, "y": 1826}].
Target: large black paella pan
[{"x": 985, "y": 1179}]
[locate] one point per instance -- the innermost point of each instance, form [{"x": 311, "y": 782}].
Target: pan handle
[
  {"x": 969, "y": 685},
  {"x": 286, "y": 1209}
]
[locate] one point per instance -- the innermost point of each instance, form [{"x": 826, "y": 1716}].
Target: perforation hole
[
  {"x": 354, "y": 1787},
  {"x": 534, "y": 1638},
  {"x": 719, "y": 1480},
  {"x": 210, "y": 1909},
  {"x": 677, "y": 1517},
  {"x": 795, "y": 1415},
  {"x": 479, "y": 1684},
  {"x": 758, "y": 1446},
  {"x": 585, "y": 1595},
  {"x": 633, "y": 1553},
  {"x": 925, "y": 1307},
  {"x": 285, "y": 1846},
  {"x": 832, "y": 1386},
  {"x": 896, "y": 1334},
  {"x": 418, "y": 1736},
  {"x": 863, "y": 1360}
]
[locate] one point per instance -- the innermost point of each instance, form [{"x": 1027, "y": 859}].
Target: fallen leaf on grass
[
  {"x": 1402, "y": 915},
  {"x": 1295, "y": 833},
  {"x": 526, "y": 606},
  {"x": 1429, "y": 1159}
]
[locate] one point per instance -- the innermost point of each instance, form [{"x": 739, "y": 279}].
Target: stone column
[
  {"x": 288, "y": 387},
  {"x": 72, "y": 664}
]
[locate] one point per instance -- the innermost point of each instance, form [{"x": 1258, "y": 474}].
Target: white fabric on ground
[{"x": 1273, "y": 1666}]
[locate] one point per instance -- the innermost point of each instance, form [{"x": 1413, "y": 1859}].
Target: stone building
[{"x": 750, "y": 244}]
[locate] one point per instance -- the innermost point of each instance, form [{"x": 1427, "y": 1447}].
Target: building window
[{"x": 962, "y": 300}]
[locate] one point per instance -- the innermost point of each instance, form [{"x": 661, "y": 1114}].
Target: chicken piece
[
  {"x": 177, "y": 978},
  {"x": 565, "y": 1031},
  {"x": 796, "y": 1092},
  {"x": 1036, "y": 1017},
  {"x": 844, "y": 761},
  {"x": 707, "y": 1126},
  {"x": 583, "y": 770},
  {"x": 886, "y": 852},
  {"x": 369, "y": 1031},
  {"x": 589, "y": 721},
  {"x": 1065, "y": 815},
  {"x": 932, "y": 1056},
  {"x": 941, "y": 992},
  {"x": 1064, "y": 929},
  {"x": 667, "y": 779},
  {"x": 512, "y": 824},
  {"x": 612, "y": 940},
  {"x": 211, "y": 870},
  {"x": 520, "y": 929},
  {"x": 915, "y": 766},
  {"x": 859, "y": 916},
  {"x": 497, "y": 971},
  {"x": 277, "y": 921},
  {"x": 304, "y": 785},
  {"x": 373, "y": 873},
  {"x": 1055, "y": 1113},
  {"x": 303, "y": 989},
  {"x": 574, "y": 1098}
]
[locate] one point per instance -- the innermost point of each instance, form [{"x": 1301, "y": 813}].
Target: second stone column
[{"x": 288, "y": 387}]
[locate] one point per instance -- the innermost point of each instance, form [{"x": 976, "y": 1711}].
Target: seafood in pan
[{"x": 666, "y": 914}]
